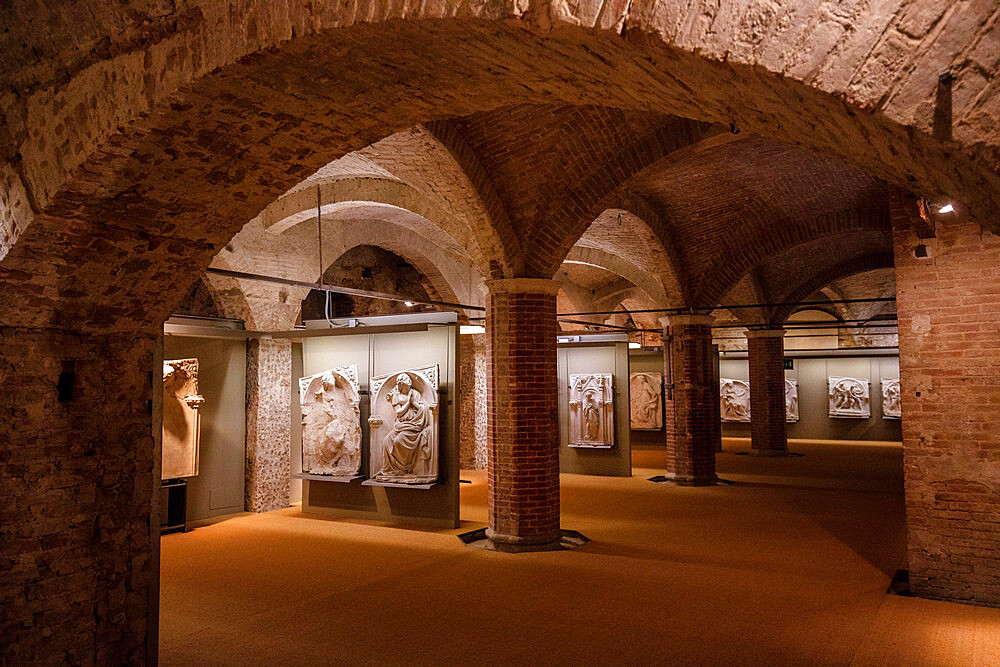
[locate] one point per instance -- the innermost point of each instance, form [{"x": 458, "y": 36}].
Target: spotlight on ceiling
[
  {"x": 947, "y": 208},
  {"x": 471, "y": 329},
  {"x": 408, "y": 304}
]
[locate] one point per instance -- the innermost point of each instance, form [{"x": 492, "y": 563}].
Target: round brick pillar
[
  {"x": 768, "y": 431},
  {"x": 692, "y": 407},
  {"x": 522, "y": 412}
]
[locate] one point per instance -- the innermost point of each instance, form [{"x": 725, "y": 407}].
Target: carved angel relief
[
  {"x": 331, "y": 422},
  {"x": 849, "y": 397},
  {"x": 734, "y": 400},
  {"x": 791, "y": 400},
  {"x": 645, "y": 392},
  {"x": 181, "y": 419},
  {"x": 591, "y": 411},
  {"x": 404, "y": 426},
  {"x": 891, "y": 408}
]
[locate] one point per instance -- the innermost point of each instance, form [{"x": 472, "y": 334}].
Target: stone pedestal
[
  {"x": 693, "y": 407},
  {"x": 766, "y": 352},
  {"x": 522, "y": 413}
]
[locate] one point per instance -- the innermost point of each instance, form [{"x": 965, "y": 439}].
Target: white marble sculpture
[
  {"x": 734, "y": 400},
  {"x": 181, "y": 419},
  {"x": 591, "y": 411},
  {"x": 404, "y": 426},
  {"x": 849, "y": 397},
  {"x": 331, "y": 422},
  {"x": 645, "y": 391},
  {"x": 891, "y": 408},
  {"x": 791, "y": 400}
]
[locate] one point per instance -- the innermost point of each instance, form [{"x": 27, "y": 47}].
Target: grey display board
[
  {"x": 814, "y": 420},
  {"x": 377, "y": 354},
  {"x": 596, "y": 358},
  {"x": 218, "y": 488},
  {"x": 641, "y": 361}
]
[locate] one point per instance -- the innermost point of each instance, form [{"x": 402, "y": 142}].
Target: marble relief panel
[
  {"x": 645, "y": 401},
  {"x": 891, "y": 408},
  {"x": 331, "y": 422},
  {"x": 791, "y": 400},
  {"x": 734, "y": 400},
  {"x": 591, "y": 411},
  {"x": 404, "y": 426},
  {"x": 849, "y": 397}
]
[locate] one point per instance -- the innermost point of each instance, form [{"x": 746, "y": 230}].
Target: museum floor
[{"x": 789, "y": 565}]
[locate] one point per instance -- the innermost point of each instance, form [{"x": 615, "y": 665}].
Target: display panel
[
  {"x": 181, "y": 422},
  {"x": 331, "y": 422}
]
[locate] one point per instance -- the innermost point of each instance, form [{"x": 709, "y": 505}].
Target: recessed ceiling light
[
  {"x": 471, "y": 329},
  {"x": 947, "y": 208},
  {"x": 634, "y": 346}
]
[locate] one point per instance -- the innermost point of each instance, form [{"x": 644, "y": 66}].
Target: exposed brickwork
[
  {"x": 78, "y": 550},
  {"x": 268, "y": 436},
  {"x": 766, "y": 351},
  {"x": 949, "y": 361},
  {"x": 522, "y": 411},
  {"x": 694, "y": 405}
]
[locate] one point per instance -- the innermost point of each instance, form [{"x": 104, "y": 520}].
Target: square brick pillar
[
  {"x": 768, "y": 431},
  {"x": 269, "y": 425},
  {"x": 522, "y": 413},
  {"x": 694, "y": 407},
  {"x": 948, "y": 302}
]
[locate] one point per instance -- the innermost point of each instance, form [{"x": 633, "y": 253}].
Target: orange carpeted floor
[{"x": 789, "y": 565}]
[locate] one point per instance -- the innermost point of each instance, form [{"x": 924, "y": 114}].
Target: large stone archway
[{"x": 130, "y": 163}]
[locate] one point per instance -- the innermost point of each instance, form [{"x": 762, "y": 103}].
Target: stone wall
[
  {"x": 472, "y": 417},
  {"x": 80, "y": 542},
  {"x": 949, "y": 365}
]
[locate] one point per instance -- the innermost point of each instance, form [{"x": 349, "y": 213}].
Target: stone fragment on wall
[
  {"x": 404, "y": 426},
  {"x": 269, "y": 424},
  {"x": 331, "y": 422},
  {"x": 472, "y": 412},
  {"x": 645, "y": 401},
  {"x": 891, "y": 408},
  {"x": 181, "y": 419},
  {"x": 791, "y": 401},
  {"x": 734, "y": 400},
  {"x": 591, "y": 411},
  {"x": 849, "y": 397}
]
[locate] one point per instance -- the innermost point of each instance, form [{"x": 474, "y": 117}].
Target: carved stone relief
[
  {"x": 849, "y": 397},
  {"x": 181, "y": 419},
  {"x": 331, "y": 422},
  {"x": 734, "y": 400},
  {"x": 645, "y": 392},
  {"x": 891, "y": 408},
  {"x": 591, "y": 411},
  {"x": 404, "y": 426},
  {"x": 791, "y": 400}
]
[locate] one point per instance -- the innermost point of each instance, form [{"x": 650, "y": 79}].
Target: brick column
[
  {"x": 948, "y": 300},
  {"x": 269, "y": 424},
  {"x": 694, "y": 407},
  {"x": 522, "y": 413},
  {"x": 768, "y": 432}
]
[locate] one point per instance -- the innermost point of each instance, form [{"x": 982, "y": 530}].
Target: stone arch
[
  {"x": 810, "y": 284},
  {"x": 621, "y": 266},
  {"x": 229, "y": 105}
]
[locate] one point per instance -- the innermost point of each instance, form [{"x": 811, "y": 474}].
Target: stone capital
[
  {"x": 776, "y": 332},
  {"x": 523, "y": 286},
  {"x": 687, "y": 319}
]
